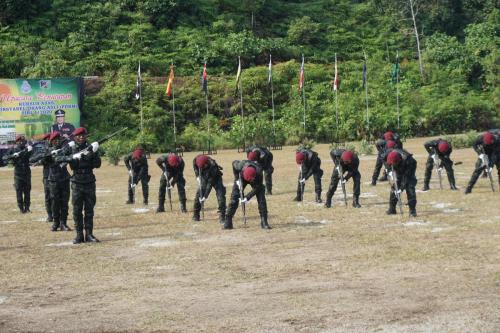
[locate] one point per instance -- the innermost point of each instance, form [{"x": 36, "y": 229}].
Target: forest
[{"x": 431, "y": 67}]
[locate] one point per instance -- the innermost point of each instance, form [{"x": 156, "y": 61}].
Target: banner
[{"x": 27, "y": 106}]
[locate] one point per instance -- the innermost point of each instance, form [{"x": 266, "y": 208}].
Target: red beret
[
  {"x": 253, "y": 155},
  {"x": 300, "y": 157},
  {"x": 173, "y": 160},
  {"x": 347, "y": 156},
  {"x": 80, "y": 131},
  {"x": 488, "y": 138},
  {"x": 249, "y": 173},
  {"x": 443, "y": 147},
  {"x": 137, "y": 154},
  {"x": 46, "y": 136},
  {"x": 388, "y": 135},
  {"x": 20, "y": 137},
  {"x": 393, "y": 158},
  {"x": 201, "y": 161},
  {"x": 390, "y": 144}
]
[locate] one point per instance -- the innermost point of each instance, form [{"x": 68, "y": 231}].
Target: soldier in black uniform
[
  {"x": 38, "y": 157},
  {"x": 247, "y": 172},
  {"x": 488, "y": 143},
  {"x": 310, "y": 165},
  {"x": 65, "y": 129},
  {"x": 388, "y": 141},
  {"x": 208, "y": 174},
  {"x": 137, "y": 166},
  {"x": 264, "y": 157},
  {"x": 58, "y": 182},
  {"x": 83, "y": 184},
  {"x": 443, "y": 150},
  {"x": 349, "y": 164},
  {"x": 19, "y": 156},
  {"x": 405, "y": 166},
  {"x": 172, "y": 166}
]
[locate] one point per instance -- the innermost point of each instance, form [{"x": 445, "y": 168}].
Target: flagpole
[
  {"x": 242, "y": 116},
  {"x": 366, "y": 100},
  {"x": 304, "y": 95},
  {"x": 272, "y": 103},
  {"x": 397, "y": 85},
  {"x": 336, "y": 100},
  {"x": 173, "y": 111},
  {"x": 140, "y": 100},
  {"x": 208, "y": 120}
]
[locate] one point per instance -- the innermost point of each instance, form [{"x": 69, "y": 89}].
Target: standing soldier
[
  {"x": 264, "y": 157},
  {"x": 83, "y": 160},
  {"x": 208, "y": 174},
  {"x": 137, "y": 166},
  {"x": 388, "y": 141},
  {"x": 64, "y": 128},
  {"x": 405, "y": 166},
  {"x": 172, "y": 166},
  {"x": 349, "y": 164},
  {"x": 310, "y": 165},
  {"x": 486, "y": 144},
  {"x": 40, "y": 157},
  {"x": 247, "y": 172},
  {"x": 442, "y": 149},
  {"x": 19, "y": 156},
  {"x": 58, "y": 183}
]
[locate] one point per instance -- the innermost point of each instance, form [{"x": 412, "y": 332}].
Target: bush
[
  {"x": 365, "y": 148},
  {"x": 462, "y": 140},
  {"x": 114, "y": 150}
]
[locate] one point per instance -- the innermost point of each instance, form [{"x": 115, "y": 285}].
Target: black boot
[
  {"x": 391, "y": 210},
  {"x": 129, "y": 202},
  {"x": 64, "y": 226},
  {"x": 374, "y": 182},
  {"x": 183, "y": 206},
  {"x": 263, "y": 222},
  {"x": 222, "y": 218},
  {"x": 145, "y": 202},
  {"x": 453, "y": 187},
  {"x": 269, "y": 190},
  {"x": 160, "y": 209},
  {"x": 425, "y": 188},
  {"x": 196, "y": 216},
  {"x": 468, "y": 190},
  {"x": 89, "y": 237},
  {"x": 27, "y": 207},
  {"x": 413, "y": 212},
  {"x": 55, "y": 226},
  {"x": 355, "y": 202},
  {"x": 328, "y": 202},
  {"x": 49, "y": 219},
  {"x": 228, "y": 224},
  {"x": 79, "y": 237},
  {"x": 318, "y": 197},
  {"x": 21, "y": 209},
  {"x": 297, "y": 198}
]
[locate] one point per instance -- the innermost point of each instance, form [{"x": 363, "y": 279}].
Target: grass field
[{"x": 317, "y": 270}]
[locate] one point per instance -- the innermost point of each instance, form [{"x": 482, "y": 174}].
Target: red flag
[
  {"x": 301, "y": 75},
  {"x": 204, "y": 82},
  {"x": 170, "y": 83}
]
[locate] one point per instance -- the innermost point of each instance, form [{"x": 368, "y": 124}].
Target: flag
[
  {"x": 238, "y": 74},
  {"x": 396, "y": 70},
  {"x": 138, "y": 83},
  {"x": 364, "y": 73},
  {"x": 336, "y": 79},
  {"x": 301, "y": 75},
  {"x": 270, "y": 71},
  {"x": 170, "y": 83},
  {"x": 204, "y": 82}
]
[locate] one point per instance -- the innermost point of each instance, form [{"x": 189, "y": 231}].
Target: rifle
[
  {"x": 200, "y": 195},
  {"x": 132, "y": 182},
  {"x": 486, "y": 164},
  {"x": 87, "y": 149},
  {"x": 396, "y": 191},
  {"x": 243, "y": 207},
  {"x": 168, "y": 187},
  {"x": 341, "y": 175},
  {"x": 301, "y": 186},
  {"x": 437, "y": 163}
]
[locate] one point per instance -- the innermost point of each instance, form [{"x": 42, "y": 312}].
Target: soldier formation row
[{"x": 82, "y": 157}]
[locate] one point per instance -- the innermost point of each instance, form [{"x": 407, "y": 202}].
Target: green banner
[{"x": 28, "y": 106}]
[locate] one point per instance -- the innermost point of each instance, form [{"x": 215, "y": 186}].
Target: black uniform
[
  {"x": 446, "y": 162},
  {"x": 493, "y": 153},
  {"x": 381, "y": 150},
  {"x": 139, "y": 169},
  {"x": 349, "y": 170},
  {"x": 175, "y": 177},
  {"x": 19, "y": 156},
  {"x": 83, "y": 188},
  {"x": 58, "y": 183},
  {"x": 311, "y": 166},
  {"x": 39, "y": 157},
  {"x": 64, "y": 128},
  {"x": 258, "y": 190},
  {"x": 406, "y": 180},
  {"x": 210, "y": 176},
  {"x": 265, "y": 160}
]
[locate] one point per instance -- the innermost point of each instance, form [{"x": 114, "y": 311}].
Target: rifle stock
[
  {"x": 341, "y": 175},
  {"x": 486, "y": 164},
  {"x": 243, "y": 205},
  {"x": 397, "y": 192}
]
